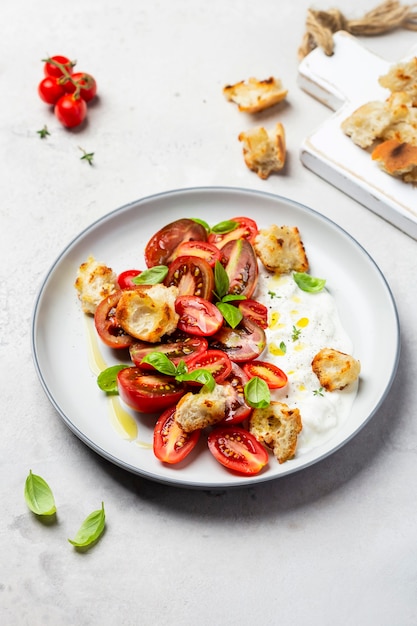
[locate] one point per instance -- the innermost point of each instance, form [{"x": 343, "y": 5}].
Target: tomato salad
[{"x": 219, "y": 338}]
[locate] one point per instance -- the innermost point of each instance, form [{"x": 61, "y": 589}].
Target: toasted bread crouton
[
  {"x": 397, "y": 159},
  {"x": 402, "y": 77},
  {"x": 277, "y": 426},
  {"x": 255, "y": 95},
  {"x": 281, "y": 250},
  {"x": 335, "y": 370},
  {"x": 199, "y": 410},
  {"x": 264, "y": 151},
  {"x": 94, "y": 282},
  {"x": 148, "y": 311}
]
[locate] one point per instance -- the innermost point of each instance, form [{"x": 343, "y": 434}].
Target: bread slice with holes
[
  {"x": 281, "y": 249},
  {"x": 264, "y": 151},
  {"x": 94, "y": 282},
  {"x": 277, "y": 427},
  {"x": 334, "y": 369}
]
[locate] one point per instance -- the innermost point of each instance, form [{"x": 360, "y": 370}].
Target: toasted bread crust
[
  {"x": 255, "y": 95},
  {"x": 264, "y": 151},
  {"x": 334, "y": 369},
  {"x": 397, "y": 159},
  {"x": 94, "y": 282},
  {"x": 277, "y": 426},
  {"x": 195, "y": 411},
  {"x": 402, "y": 77},
  {"x": 281, "y": 249}
]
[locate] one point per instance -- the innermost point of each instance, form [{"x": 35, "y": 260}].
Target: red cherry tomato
[
  {"x": 148, "y": 393},
  {"x": 161, "y": 246},
  {"x": 124, "y": 279},
  {"x": 171, "y": 444},
  {"x": 70, "y": 111},
  {"x": 237, "y": 410},
  {"x": 245, "y": 229},
  {"x": 254, "y": 311},
  {"x": 185, "y": 350},
  {"x": 237, "y": 449},
  {"x": 107, "y": 328},
  {"x": 243, "y": 343},
  {"x": 86, "y": 84},
  {"x": 274, "y": 377},
  {"x": 50, "y": 69},
  {"x": 50, "y": 90},
  {"x": 202, "y": 249},
  {"x": 192, "y": 275},
  {"x": 241, "y": 267},
  {"x": 215, "y": 361},
  {"x": 198, "y": 316}
]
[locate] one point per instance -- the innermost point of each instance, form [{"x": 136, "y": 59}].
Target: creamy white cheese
[{"x": 300, "y": 324}]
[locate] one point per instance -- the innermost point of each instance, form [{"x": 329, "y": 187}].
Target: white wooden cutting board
[{"x": 343, "y": 82}]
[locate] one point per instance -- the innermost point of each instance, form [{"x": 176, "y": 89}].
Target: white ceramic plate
[{"x": 60, "y": 337}]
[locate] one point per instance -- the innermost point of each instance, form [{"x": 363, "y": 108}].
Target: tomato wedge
[
  {"x": 198, "y": 316},
  {"x": 109, "y": 331},
  {"x": 274, "y": 377},
  {"x": 246, "y": 229},
  {"x": 237, "y": 449},
  {"x": 192, "y": 275},
  {"x": 148, "y": 393},
  {"x": 241, "y": 267},
  {"x": 171, "y": 444},
  {"x": 243, "y": 343},
  {"x": 161, "y": 246},
  {"x": 237, "y": 410},
  {"x": 185, "y": 350},
  {"x": 202, "y": 249},
  {"x": 255, "y": 311},
  {"x": 215, "y": 361}
]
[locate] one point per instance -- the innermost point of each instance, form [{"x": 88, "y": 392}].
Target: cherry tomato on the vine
[
  {"x": 70, "y": 111},
  {"x": 50, "y": 90},
  {"x": 50, "y": 69},
  {"x": 85, "y": 83}
]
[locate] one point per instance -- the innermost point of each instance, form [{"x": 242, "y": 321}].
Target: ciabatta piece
[
  {"x": 278, "y": 427},
  {"x": 94, "y": 282},
  {"x": 402, "y": 77},
  {"x": 199, "y": 410},
  {"x": 264, "y": 151},
  {"x": 281, "y": 250},
  {"x": 334, "y": 369},
  {"x": 255, "y": 95}
]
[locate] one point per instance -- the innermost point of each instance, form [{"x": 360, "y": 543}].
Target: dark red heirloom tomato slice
[
  {"x": 255, "y": 311},
  {"x": 237, "y": 410},
  {"x": 107, "y": 328},
  {"x": 171, "y": 444},
  {"x": 246, "y": 229},
  {"x": 270, "y": 373},
  {"x": 161, "y": 246},
  {"x": 146, "y": 392},
  {"x": 192, "y": 275},
  {"x": 237, "y": 449},
  {"x": 202, "y": 249},
  {"x": 215, "y": 361},
  {"x": 241, "y": 267},
  {"x": 243, "y": 343},
  {"x": 185, "y": 350},
  {"x": 125, "y": 279},
  {"x": 198, "y": 316}
]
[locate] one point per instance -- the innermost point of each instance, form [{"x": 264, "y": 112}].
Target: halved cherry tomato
[
  {"x": 171, "y": 444},
  {"x": 255, "y": 311},
  {"x": 237, "y": 449},
  {"x": 236, "y": 409},
  {"x": 185, "y": 350},
  {"x": 107, "y": 328},
  {"x": 146, "y": 392},
  {"x": 245, "y": 229},
  {"x": 243, "y": 343},
  {"x": 274, "y": 377},
  {"x": 125, "y": 279},
  {"x": 215, "y": 361},
  {"x": 198, "y": 316},
  {"x": 161, "y": 246},
  {"x": 202, "y": 249},
  {"x": 241, "y": 266},
  {"x": 192, "y": 275}
]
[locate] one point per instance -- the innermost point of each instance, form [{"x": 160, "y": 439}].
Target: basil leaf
[
  {"x": 283, "y": 347},
  {"x": 152, "y": 276},
  {"x": 202, "y": 223},
  {"x": 90, "y": 530},
  {"x": 107, "y": 379},
  {"x": 231, "y": 313},
  {"x": 224, "y": 227},
  {"x": 39, "y": 496},
  {"x": 199, "y": 375},
  {"x": 309, "y": 283},
  {"x": 160, "y": 362},
  {"x": 181, "y": 368},
  {"x": 257, "y": 393},
  {"x": 230, "y": 297},
  {"x": 221, "y": 280}
]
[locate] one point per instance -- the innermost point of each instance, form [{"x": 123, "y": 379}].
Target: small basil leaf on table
[
  {"x": 39, "y": 496},
  {"x": 91, "y": 529}
]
